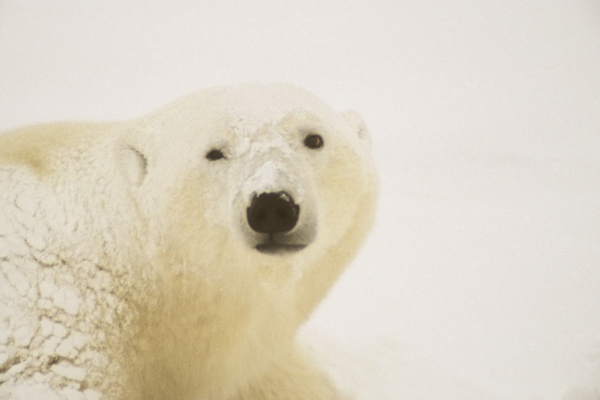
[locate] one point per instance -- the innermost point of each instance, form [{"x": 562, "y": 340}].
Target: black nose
[{"x": 272, "y": 213}]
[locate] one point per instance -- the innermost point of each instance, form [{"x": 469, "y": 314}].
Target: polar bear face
[{"x": 276, "y": 174}]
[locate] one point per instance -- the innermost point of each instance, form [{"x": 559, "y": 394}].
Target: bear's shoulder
[{"x": 40, "y": 147}]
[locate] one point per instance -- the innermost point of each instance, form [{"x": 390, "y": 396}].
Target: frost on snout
[{"x": 278, "y": 217}]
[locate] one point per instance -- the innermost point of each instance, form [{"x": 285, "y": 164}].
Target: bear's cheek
[
  {"x": 342, "y": 184},
  {"x": 196, "y": 225}
]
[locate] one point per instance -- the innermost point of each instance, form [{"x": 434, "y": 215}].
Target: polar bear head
[
  {"x": 254, "y": 199},
  {"x": 260, "y": 174}
]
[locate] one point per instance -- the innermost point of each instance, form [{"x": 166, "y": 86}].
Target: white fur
[{"x": 129, "y": 271}]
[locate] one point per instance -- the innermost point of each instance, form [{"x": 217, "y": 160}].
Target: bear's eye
[
  {"x": 215, "y": 155},
  {"x": 313, "y": 141}
]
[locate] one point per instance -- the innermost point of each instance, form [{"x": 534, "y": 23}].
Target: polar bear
[{"x": 175, "y": 256}]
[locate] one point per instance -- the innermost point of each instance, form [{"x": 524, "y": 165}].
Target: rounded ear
[
  {"x": 134, "y": 164},
  {"x": 355, "y": 121}
]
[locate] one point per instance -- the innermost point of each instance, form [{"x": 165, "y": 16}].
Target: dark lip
[{"x": 276, "y": 248}]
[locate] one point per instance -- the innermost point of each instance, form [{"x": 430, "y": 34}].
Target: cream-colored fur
[{"x": 128, "y": 267}]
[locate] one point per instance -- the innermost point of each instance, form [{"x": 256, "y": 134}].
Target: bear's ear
[
  {"x": 357, "y": 124},
  {"x": 134, "y": 164}
]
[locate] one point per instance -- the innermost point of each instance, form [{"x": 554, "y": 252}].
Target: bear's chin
[{"x": 276, "y": 248}]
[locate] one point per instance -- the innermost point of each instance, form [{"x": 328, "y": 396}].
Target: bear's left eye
[
  {"x": 313, "y": 141},
  {"x": 214, "y": 155}
]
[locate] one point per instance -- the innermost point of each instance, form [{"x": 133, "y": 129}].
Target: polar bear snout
[
  {"x": 275, "y": 208},
  {"x": 272, "y": 213},
  {"x": 274, "y": 220}
]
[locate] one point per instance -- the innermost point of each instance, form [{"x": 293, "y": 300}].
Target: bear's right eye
[
  {"x": 313, "y": 141},
  {"x": 215, "y": 155}
]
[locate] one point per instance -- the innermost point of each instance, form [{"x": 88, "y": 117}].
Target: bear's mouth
[
  {"x": 279, "y": 248},
  {"x": 277, "y": 244}
]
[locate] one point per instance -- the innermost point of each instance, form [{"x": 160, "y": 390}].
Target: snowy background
[{"x": 482, "y": 277}]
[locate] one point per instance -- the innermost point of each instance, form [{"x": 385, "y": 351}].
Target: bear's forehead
[
  {"x": 251, "y": 146},
  {"x": 245, "y": 125},
  {"x": 247, "y": 119}
]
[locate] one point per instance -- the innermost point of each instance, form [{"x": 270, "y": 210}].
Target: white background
[{"x": 481, "y": 279}]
